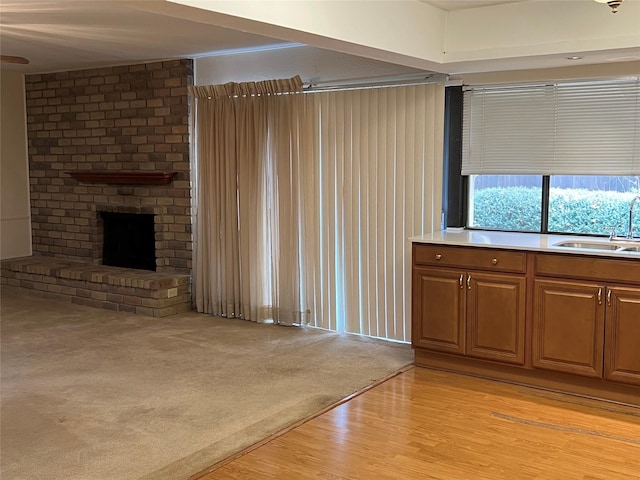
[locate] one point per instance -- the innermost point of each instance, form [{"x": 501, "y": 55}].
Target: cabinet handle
[
  {"x": 468, "y": 282},
  {"x": 438, "y": 256},
  {"x": 461, "y": 280},
  {"x": 494, "y": 261},
  {"x": 608, "y": 298},
  {"x": 600, "y": 296}
]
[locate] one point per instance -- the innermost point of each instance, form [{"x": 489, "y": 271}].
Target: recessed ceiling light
[{"x": 574, "y": 57}]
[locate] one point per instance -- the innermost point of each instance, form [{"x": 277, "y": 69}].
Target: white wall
[
  {"x": 15, "y": 216},
  {"x": 323, "y": 66},
  {"x": 621, "y": 69},
  {"x": 309, "y": 62}
]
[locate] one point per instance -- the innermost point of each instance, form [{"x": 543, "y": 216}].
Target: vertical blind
[
  {"x": 377, "y": 180},
  {"x": 576, "y": 128}
]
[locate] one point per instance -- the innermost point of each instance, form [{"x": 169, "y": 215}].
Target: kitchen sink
[
  {"x": 590, "y": 245},
  {"x": 604, "y": 246}
]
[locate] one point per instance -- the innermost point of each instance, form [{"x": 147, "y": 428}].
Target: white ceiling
[
  {"x": 452, "y": 5},
  {"x": 73, "y": 34}
]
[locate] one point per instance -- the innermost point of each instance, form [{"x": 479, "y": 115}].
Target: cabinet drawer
[
  {"x": 470, "y": 257},
  {"x": 589, "y": 268}
]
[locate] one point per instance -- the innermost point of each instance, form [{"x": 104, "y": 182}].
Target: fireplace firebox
[{"x": 129, "y": 240}]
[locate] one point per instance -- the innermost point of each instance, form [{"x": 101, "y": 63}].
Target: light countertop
[{"x": 522, "y": 241}]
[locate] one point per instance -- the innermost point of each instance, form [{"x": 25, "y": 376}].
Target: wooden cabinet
[
  {"x": 496, "y": 317},
  {"x": 473, "y": 312},
  {"x": 438, "y": 310},
  {"x": 622, "y": 337},
  {"x": 588, "y": 328},
  {"x": 568, "y": 327},
  {"x": 567, "y": 322}
]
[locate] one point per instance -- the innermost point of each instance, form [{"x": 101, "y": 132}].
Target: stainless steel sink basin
[
  {"x": 589, "y": 245},
  {"x": 603, "y": 246}
]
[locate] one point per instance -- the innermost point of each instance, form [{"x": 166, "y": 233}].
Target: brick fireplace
[
  {"x": 103, "y": 141},
  {"x": 131, "y": 118}
]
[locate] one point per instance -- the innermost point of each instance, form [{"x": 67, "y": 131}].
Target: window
[
  {"x": 591, "y": 204},
  {"x": 505, "y": 202},
  {"x": 559, "y": 158},
  {"x": 578, "y": 204}
]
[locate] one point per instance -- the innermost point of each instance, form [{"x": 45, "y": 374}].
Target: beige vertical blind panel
[
  {"x": 379, "y": 176},
  {"x": 580, "y": 128}
]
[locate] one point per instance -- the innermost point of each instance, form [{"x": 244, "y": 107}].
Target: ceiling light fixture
[{"x": 614, "y": 4}]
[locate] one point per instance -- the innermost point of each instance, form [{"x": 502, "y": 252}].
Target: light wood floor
[{"x": 435, "y": 425}]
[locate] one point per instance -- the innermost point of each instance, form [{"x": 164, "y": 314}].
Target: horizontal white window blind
[{"x": 579, "y": 128}]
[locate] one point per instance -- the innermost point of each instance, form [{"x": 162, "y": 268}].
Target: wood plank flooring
[{"x": 429, "y": 424}]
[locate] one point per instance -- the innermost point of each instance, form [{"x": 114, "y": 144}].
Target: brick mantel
[{"x": 112, "y": 120}]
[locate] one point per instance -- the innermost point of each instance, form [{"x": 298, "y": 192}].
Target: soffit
[{"x": 69, "y": 34}]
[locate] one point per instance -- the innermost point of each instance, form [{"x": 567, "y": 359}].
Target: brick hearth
[{"x": 120, "y": 289}]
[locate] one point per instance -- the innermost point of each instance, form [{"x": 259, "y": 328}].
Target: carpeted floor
[{"x": 93, "y": 394}]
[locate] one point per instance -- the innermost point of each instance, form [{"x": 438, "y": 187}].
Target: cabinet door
[
  {"x": 496, "y": 317},
  {"x": 568, "y": 327},
  {"x": 622, "y": 345},
  {"x": 438, "y": 310}
]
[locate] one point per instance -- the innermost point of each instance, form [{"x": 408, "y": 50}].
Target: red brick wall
[{"x": 132, "y": 118}]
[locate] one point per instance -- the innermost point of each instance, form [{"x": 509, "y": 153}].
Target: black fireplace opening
[{"x": 129, "y": 240}]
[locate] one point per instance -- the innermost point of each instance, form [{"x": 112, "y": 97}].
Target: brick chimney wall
[{"x": 124, "y": 118}]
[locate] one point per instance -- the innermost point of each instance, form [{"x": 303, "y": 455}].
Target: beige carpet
[{"x": 93, "y": 394}]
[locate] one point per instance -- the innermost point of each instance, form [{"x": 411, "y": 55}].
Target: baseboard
[{"x": 597, "y": 389}]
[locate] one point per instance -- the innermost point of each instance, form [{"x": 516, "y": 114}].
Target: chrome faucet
[{"x": 630, "y": 231}]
